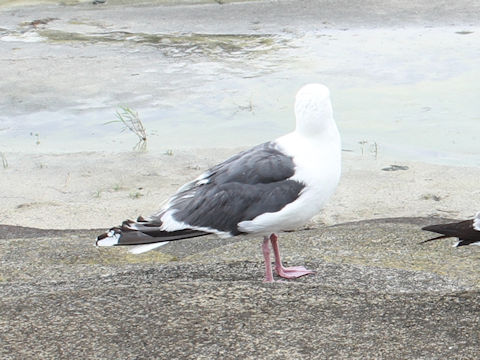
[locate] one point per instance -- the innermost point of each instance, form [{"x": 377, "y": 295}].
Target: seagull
[
  {"x": 467, "y": 232},
  {"x": 275, "y": 186}
]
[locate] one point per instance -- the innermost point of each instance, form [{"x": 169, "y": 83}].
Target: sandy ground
[{"x": 95, "y": 190}]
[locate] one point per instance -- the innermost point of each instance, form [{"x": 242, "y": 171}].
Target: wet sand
[{"x": 226, "y": 75}]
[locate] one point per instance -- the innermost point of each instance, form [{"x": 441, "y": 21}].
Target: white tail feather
[{"x": 139, "y": 249}]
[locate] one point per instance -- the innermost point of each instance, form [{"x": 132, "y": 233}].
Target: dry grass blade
[{"x": 131, "y": 121}]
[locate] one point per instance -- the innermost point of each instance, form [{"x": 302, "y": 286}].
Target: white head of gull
[{"x": 276, "y": 186}]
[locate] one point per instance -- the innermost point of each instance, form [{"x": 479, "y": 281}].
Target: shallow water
[{"x": 410, "y": 93}]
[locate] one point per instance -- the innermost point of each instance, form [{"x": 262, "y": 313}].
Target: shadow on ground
[{"x": 377, "y": 293}]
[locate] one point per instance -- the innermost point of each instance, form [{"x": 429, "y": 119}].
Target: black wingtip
[
  {"x": 102, "y": 236},
  {"x": 439, "y": 229},
  {"x": 435, "y": 228},
  {"x": 435, "y": 238}
]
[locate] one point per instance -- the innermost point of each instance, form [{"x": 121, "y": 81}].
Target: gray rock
[{"x": 377, "y": 293}]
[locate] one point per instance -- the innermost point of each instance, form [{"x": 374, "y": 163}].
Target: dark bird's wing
[
  {"x": 249, "y": 184},
  {"x": 245, "y": 186},
  {"x": 467, "y": 232}
]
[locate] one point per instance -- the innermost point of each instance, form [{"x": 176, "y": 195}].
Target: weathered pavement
[{"x": 377, "y": 293}]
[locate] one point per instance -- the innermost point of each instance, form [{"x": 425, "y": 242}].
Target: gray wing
[{"x": 251, "y": 183}]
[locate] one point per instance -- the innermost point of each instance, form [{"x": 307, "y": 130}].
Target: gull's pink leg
[
  {"x": 266, "y": 256},
  {"x": 290, "y": 272}
]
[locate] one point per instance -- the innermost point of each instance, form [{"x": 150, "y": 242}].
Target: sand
[{"x": 96, "y": 190}]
